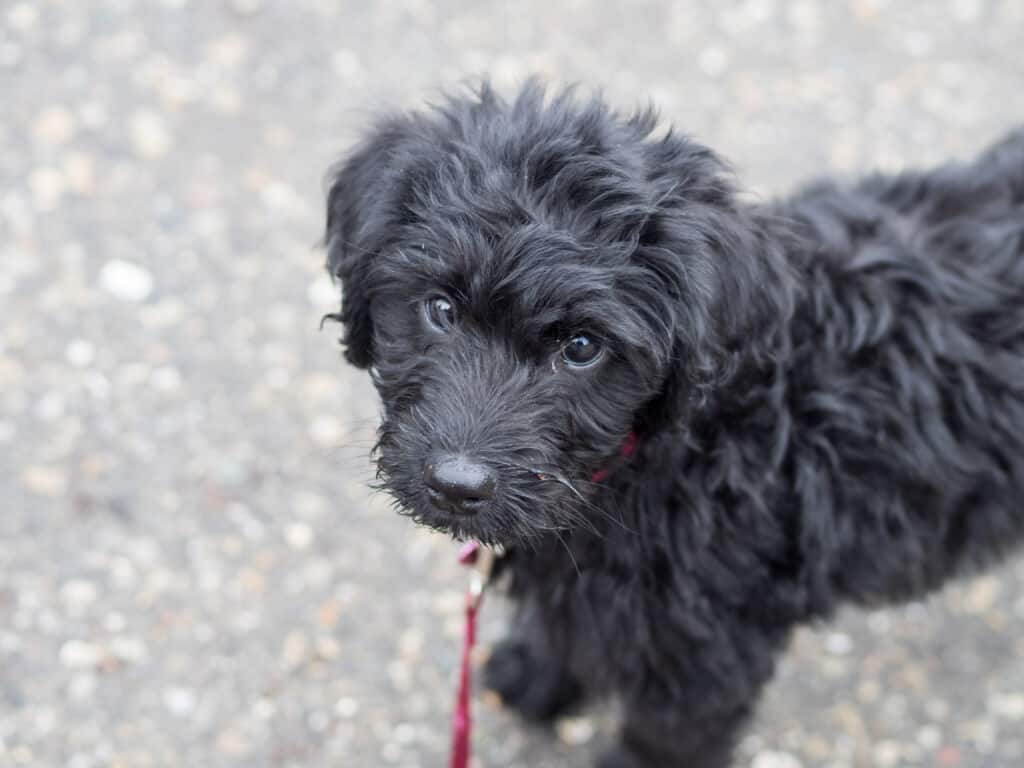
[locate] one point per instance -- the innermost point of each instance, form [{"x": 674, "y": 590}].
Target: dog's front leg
[
  {"x": 654, "y": 735},
  {"x": 526, "y": 674}
]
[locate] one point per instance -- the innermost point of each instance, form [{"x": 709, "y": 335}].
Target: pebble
[
  {"x": 324, "y": 294},
  {"x": 78, "y": 654},
  {"x": 326, "y": 431},
  {"x": 575, "y": 730},
  {"x": 23, "y": 17},
  {"x": 126, "y": 281},
  {"x": 43, "y": 480},
  {"x": 299, "y": 536},
  {"x": 129, "y": 648},
  {"x": 179, "y": 701},
  {"x": 53, "y": 125},
  {"x": 79, "y": 170},
  {"x": 346, "y": 707},
  {"x": 772, "y": 759},
  {"x": 149, "y": 134},
  {"x": 78, "y": 594},
  {"x": 80, "y": 353},
  {"x": 838, "y": 644},
  {"x": 294, "y": 650},
  {"x": 166, "y": 379},
  {"x": 47, "y": 186},
  {"x": 1009, "y": 706}
]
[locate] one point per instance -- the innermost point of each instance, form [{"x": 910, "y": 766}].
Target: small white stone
[
  {"x": 772, "y": 759},
  {"x": 78, "y": 654},
  {"x": 324, "y": 294},
  {"x": 126, "y": 281},
  {"x": 23, "y": 16},
  {"x": 295, "y": 650},
  {"x": 114, "y": 621},
  {"x": 53, "y": 125},
  {"x": 149, "y": 134},
  {"x": 47, "y": 186},
  {"x": 43, "y": 480},
  {"x": 299, "y": 536},
  {"x": 575, "y": 730},
  {"x": 326, "y": 431},
  {"x": 263, "y": 709},
  {"x": 887, "y": 753},
  {"x": 346, "y": 707},
  {"x": 713, "y": 61},
  {"x": 1009, "y": 706},
  {"x": 93, "y": 114},
  {"x": 929, "y": 736},
  {"x": 78, "y": 594},
  {"x": 838, "y": 644},
  {"x": 166, "y": 378},
  {"x": 129, "y": 649},
  {"x": 80, "y": 353},
  {"x": 80, "y": 173},
  {"x": 50, "y": 407},
  {"x": 180, "y": 702}
]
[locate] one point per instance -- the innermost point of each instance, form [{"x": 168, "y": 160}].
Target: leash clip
[{"x": 482, "y": 559}]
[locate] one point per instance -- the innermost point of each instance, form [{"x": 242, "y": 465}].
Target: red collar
[{"x": 627, "y": 449}]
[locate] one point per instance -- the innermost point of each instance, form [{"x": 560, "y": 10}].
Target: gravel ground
[{"x": 192, "y": 572}]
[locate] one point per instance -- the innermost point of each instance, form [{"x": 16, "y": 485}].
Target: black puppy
[{"x": 826, "y": 395}]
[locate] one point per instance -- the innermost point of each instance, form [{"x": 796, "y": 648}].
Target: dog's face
[{"x": 523, "y": 300}]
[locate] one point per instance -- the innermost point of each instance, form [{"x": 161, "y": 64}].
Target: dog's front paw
[{"x": 538, "y": 688}]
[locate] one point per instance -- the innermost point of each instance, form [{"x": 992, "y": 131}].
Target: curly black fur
[{"x": 828, "y": 390}]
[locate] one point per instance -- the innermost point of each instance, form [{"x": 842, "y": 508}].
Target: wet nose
[{"x": 458, "y": 484}]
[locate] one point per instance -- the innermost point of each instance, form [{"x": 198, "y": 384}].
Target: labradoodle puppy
[{"x": 691, "y": 422}]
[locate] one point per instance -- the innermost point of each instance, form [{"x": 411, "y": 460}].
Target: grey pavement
[{"x": 192, "y": 570}]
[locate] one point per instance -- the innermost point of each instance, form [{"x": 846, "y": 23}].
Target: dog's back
[{"x": 910, "y": 369}]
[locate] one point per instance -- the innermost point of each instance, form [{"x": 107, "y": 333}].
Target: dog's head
[{"x": 528, "y": 281}]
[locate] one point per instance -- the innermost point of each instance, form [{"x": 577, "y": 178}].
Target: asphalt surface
[{"x": 192, "y": 572}]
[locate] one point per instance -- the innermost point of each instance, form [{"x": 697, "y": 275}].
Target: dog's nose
[{"x": 459, "y": 484}]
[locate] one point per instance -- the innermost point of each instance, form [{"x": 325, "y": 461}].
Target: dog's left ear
[{"x": 360, "y": 205}]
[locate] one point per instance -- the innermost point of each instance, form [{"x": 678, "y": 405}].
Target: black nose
[{"x": 458, "y": 484}]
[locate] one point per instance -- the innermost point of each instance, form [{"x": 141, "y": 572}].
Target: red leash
[
  {"x": 461, "y": 723},
  {"x": 472, "y": 554}
]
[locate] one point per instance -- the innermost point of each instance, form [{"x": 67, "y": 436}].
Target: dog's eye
[
  {"x": 581, "y": 351},
  {"x": 439, "y": 313}
]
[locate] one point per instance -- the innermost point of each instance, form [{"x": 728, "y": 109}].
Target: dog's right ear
[{"x": 360, "y": 206}]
